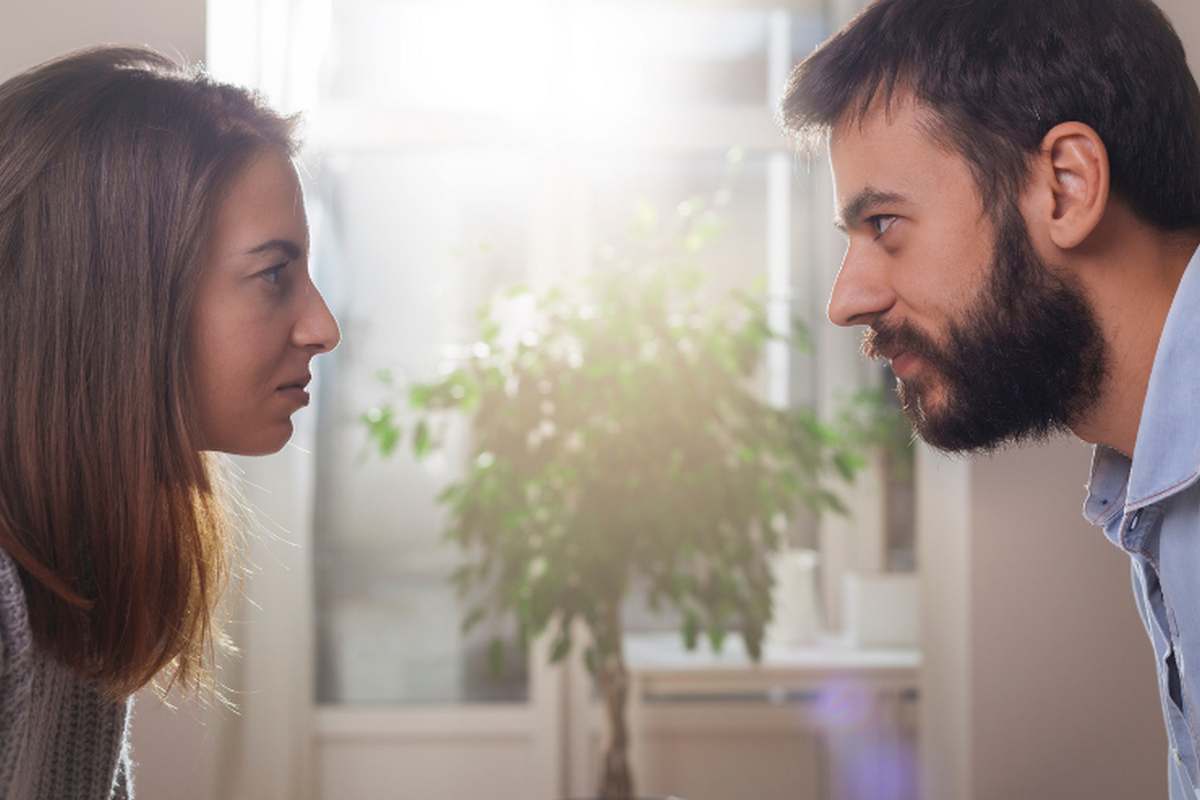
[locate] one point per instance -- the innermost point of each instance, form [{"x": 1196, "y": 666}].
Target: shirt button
[{"x": 1137, "y": 517}]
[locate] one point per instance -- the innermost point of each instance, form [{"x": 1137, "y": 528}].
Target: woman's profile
[{"x": 155, "y": 307}]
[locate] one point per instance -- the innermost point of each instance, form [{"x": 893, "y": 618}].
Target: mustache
[{"x": 882, "y": 341}]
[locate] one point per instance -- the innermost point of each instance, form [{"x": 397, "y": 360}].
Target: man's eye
[{"x": 881, "y": 223}]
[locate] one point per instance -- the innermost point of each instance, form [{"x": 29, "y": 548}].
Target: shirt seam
[{"x": 1134, "y": 505}]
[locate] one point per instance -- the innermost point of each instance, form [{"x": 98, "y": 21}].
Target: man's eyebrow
[
  {"x": 286, "y": 246},
  {"x": 853, "y": 212}
]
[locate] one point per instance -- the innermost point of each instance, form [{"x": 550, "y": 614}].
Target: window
[
  {"x": 459, "y": 147},
  {"x": 463, "y": 147}
]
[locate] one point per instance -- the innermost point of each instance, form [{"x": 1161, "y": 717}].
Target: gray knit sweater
[{"x": 60, "y": 739}]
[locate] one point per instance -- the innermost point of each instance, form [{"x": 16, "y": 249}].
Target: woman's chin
[{"x": 263, "y": 442}]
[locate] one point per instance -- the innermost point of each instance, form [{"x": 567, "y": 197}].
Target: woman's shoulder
[{"x": 16, "y": 637}]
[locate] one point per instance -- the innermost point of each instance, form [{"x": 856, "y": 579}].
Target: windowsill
[
  {"x": 648, "y": 653},
  {"x": 666, "y": 675}
]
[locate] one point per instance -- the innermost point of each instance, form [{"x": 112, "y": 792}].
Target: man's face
[{"x": 989, "y": 344}]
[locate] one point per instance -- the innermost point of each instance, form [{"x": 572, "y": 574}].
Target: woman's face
[{"x": 258, "y": 319}]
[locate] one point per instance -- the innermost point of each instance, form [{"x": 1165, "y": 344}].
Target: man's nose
[{"x": 860, "y": 291}]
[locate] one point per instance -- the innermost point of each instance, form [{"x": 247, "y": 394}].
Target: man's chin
[
  {"x": 952, "y": 431},
  {"x": 921, "y": 398},
  {"x": 941, "y": 424}
]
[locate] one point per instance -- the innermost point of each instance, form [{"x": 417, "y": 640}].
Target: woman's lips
[
  {"x": 294, "y": 394},
  {"x": 295, "y": 391}
]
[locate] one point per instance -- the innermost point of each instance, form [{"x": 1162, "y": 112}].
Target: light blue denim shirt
[{"x": 1150, "y": 508}]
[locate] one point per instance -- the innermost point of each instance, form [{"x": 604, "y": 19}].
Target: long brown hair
[{"x": 112, "y": 161}]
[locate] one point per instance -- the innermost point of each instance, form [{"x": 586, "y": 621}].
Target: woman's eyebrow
[{"x": 285, "y": 246}]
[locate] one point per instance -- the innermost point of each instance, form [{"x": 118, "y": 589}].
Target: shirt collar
[
  {"x": 1106, "y": 486},
  {"x": 1166, "y": 457}
]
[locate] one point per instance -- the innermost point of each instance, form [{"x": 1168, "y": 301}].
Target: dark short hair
[{"x": 998, "y": 75}]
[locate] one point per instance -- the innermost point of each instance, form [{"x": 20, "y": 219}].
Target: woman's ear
[{"x": 1075, "y": 168}]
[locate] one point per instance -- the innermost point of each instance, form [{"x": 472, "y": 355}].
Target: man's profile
[{"x": 1019, "y": 185}]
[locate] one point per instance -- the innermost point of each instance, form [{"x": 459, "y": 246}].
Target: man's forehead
[
  {"x": 891, "y": 149},
  {"x": 881, "y": 130}
]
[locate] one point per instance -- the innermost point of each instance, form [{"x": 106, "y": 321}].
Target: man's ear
[{"x": 1075, "y": 168}]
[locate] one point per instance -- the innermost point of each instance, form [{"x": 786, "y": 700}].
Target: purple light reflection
[{"x": 871, "y": 758}]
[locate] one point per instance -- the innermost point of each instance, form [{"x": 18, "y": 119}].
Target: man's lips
[
  {"x": 904, "y": 364},
  {"x": 881, "y": 346}
]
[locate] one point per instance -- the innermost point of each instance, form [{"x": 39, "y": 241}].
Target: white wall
[
  {"x": 1185, "y": 15},
  {"x": 1063, "y": 669},
  {"x": 175, "y": 751},
  {"x": 1039, "y": 679},
  {"x": 35, "y": 30},
  {"x": 944, "y": 553}
]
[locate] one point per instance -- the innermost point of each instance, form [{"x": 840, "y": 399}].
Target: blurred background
[{"x": 960, "y": 633}]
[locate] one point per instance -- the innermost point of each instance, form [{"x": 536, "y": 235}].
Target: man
[{"x": 1019, "y": 185}]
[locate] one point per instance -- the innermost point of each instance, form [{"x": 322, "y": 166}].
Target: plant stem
[{"x": 616, "y": 781}]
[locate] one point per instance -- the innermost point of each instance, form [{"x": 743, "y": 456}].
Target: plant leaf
[
  {"x": 691, "y": 629},
  {"x": 421, "y": 439}
]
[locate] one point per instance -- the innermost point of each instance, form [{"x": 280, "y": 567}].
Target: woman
[{"x": 155, "y": 306}]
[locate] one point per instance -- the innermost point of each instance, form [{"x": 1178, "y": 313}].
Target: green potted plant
[{"x": 617, "y": 435}]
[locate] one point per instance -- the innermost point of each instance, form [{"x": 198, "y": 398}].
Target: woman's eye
[
  {"x": 881, "y": 223},
  {"x": 274, "y": 274}
]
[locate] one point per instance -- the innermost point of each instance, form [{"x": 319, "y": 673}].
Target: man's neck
[{"x": 1131, "y": 289}]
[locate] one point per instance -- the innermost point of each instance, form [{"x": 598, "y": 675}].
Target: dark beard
[{"x": 1027, "y": 361}]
